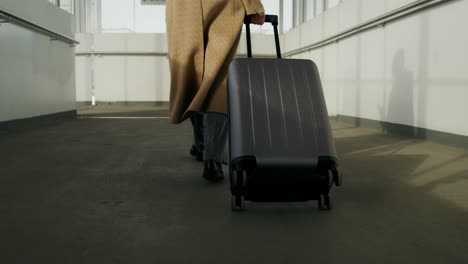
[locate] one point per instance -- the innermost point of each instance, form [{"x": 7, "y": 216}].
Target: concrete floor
[{"x": 126, "y": 191}]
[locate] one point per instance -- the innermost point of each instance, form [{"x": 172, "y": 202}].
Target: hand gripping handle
[{"x": 273, "y": 19}]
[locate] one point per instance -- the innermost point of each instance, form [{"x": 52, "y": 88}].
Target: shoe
[
  {"x": 198, "y": 155},
  {"x": 213, "y": 171}
]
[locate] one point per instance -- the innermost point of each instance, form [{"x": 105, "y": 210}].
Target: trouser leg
[
  {"x": 216, "y": 129},
  {"x": 198, "y": 131}
]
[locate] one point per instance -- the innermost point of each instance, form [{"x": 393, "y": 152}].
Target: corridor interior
[
  {"x": 116, "y": 184},
  {"x": 92, "y": 172}
]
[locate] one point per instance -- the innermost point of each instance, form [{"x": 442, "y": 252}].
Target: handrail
[
  {"x": 8, "y": 17},
  {"x": 148, "y": 53},
  {"x": 378, "y": 21},
  {"x": 121, "y": 53}
]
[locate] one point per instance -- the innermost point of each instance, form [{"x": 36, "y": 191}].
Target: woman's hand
[{"x": 258, "y": 19}]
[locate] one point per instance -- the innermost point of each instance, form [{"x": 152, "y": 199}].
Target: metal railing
[
  {"x": 409, "y": 9},
  {"x": 121, "y": 53},
  {"x": 8, "y": 17}
]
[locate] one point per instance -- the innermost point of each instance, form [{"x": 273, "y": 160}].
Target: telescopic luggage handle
[{"x": 273, "y": 19}]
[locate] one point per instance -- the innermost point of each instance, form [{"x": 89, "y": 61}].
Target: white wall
[
  {"x": 122, "y": 78},
  {"x": 137, "y": 77},
  {"x": 36, "y": 74},
  {"x": 412, "y": 71}
]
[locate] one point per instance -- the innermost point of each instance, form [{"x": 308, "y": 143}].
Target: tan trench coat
[{"x": 203, "y": 36}]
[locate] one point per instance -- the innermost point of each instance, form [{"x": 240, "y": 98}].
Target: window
[
  {"x": 131, "y": 16},
  {"x": 66, "y": 5},
  {"x": 287, "y": 19},
  {"x": 332, "y": 3},
  {"x": 309, "y": 9},
  {"x": 319, "y": 7},
  {"x": 296, "y": 12},
  {"x": 271, "y": 7}
]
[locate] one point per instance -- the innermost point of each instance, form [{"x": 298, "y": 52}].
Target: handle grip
[{"x": 273, "y": 19}]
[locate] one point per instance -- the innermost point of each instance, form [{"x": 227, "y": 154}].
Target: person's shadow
[{"x": 400, "y": 108}]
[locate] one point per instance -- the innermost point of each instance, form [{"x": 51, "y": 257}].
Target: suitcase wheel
[
  {"x": 239, "y": 181},
  {"x": 325, "y": 203},
  {"x": 237, "y": 203}
]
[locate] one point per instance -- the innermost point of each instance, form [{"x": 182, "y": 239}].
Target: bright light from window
[
  {"x": 332, "y": 3},
  {"x": 320, "y": 7},
  {"x": 271, "y": 7},
  {"x": 132, "y": 16},
  {"x": 67, "y": 5},
  {"x": 309, "y": 9},
  {"x": 287, "y": 15}
]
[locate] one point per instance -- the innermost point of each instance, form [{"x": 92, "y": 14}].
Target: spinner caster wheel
[
  {"x": 238, "y": 179},
  {"x": 325, "y": 203},
  {"x": 237, "y": 203}
]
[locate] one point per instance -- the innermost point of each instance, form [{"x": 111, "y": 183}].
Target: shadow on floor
[{"x": 126, "y": 191}]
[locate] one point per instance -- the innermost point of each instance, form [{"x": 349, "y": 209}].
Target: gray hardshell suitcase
[{"x": 280, "y": 142}]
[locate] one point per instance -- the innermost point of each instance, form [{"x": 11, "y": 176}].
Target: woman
[{"x": 203, "y": 36}]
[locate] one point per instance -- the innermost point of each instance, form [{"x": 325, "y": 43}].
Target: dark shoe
[
  {"x": 198, "y": 155},
  {"x": 213, "y": 171}
]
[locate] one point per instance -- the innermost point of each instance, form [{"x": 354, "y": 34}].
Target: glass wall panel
[
  {"x": 319, "y": 7},
  {"x": 150, "y": 19},
  {"x": 132, "y": 16},
  {"x": 332, "y": 3},
  {"x": 271, "y": 7},
  {"x": 309, "y": 9},
  {"x": 287, "y": 19},
  {"x": 67, "y": 5},
  {"x": 118, "y": 16}
]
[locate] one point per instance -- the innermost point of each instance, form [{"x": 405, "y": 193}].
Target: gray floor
[{"x": 125, "y": 191}]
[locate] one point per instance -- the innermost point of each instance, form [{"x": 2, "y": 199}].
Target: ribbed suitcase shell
[{"x": 278, "y": 115}]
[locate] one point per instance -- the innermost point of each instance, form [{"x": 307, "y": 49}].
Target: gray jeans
[{"x": 210, "y": 132}]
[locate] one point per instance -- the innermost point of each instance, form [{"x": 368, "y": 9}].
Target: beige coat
[{"x": 203, "y": 36}]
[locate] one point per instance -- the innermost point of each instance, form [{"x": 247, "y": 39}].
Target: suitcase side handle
[{"x": 273, "y": 19}]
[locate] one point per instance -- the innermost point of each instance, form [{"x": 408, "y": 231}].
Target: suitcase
[{"x": 280, "y": 142}]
